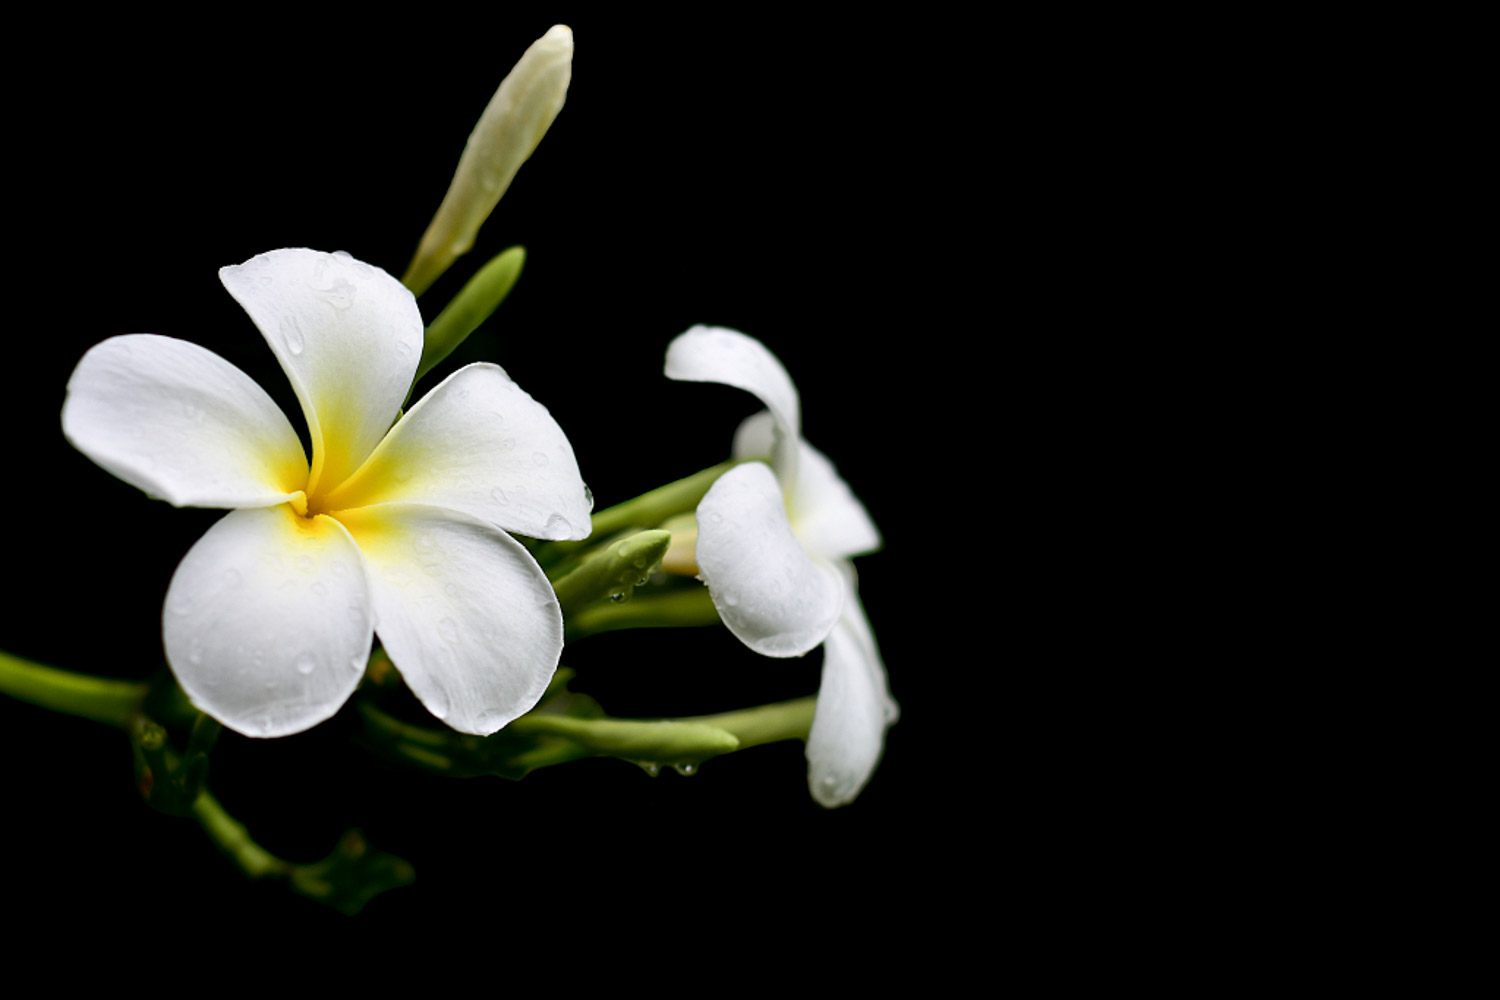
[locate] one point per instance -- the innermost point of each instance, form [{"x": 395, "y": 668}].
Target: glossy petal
[
  {"x": 826, "y": 515},
  {"x": 182, "y": 424},
  {"x": 349, "y": 337},
  {"x": 854, "y": 709},
  {"x": 717, "y": 354},
  {"x": 479, "y": 444},
  {"x": 267, "y": 621},
  {"x": 465, "y": 613},
  {"x": 771, "y": 593}
]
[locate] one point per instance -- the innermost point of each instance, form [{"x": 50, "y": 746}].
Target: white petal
[
  {"x": 717, "y": 354},
  {"x": 479, "y": 444},
  {"x": 465, "y": 613},
  {"x": 182, "y": 424},
  {"x": 854, "y": 709},
  {"x": 771, "y": 593},
  {"x": 267, "y": 623},
  {"x": 825, "y": 514},
  {"x": 349, "y": 337}
]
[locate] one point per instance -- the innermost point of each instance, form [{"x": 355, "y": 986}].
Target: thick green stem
[
  {"x": 787, "y": 720},
  {"x": 101, "y": 699},
  {"x": 690, "y": 606}
]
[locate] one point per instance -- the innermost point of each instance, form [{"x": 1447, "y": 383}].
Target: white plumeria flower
[
  {"x": 399, "y": 530},
  {"x": 773, "y": 546}
]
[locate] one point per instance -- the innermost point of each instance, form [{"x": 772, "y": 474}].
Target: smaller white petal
[
  {"x": 824, "y": 512},
  {"x": 464, "y": 611},
  {"x": 478, "y": 443},
  {"x": 718, "y": 354},
  {"x": 854, "y": 709},
  {"x": 777, "y": 598},
  {"x": 181, "y": 423},
  {"x": 348, "y": 336},
  {"x": 267, "y": 623}
]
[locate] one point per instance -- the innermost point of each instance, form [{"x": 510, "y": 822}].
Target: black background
[{"x": 780, "y": 177}]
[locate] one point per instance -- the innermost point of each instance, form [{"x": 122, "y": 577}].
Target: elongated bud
[
  {"x": 613, "y": 572},
  {"x": 509, "y": 130},
  {"x": 470, "y": 307}
]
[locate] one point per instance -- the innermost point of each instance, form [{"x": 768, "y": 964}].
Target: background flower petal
[
  {"x": 771, "y": 593},
  {"x": 854, "y": 708},
  {"x": 349, "y": 337},
  {"x": 825, "y": 514},
  {"x": 268, "y": 621},
  {"x": 182, "y": 424},
  {"x": 478, "y": 443},
  {"x": 465, "y": 613},
  {"x": 718, "y": 354}
]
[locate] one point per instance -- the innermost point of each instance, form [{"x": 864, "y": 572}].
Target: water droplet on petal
[
  {"x": 687, "y": 770},
  {"x": 540, "y": 458},
  {"x": 498, "y": 495},
  {"x": 292, "y": 334},
  {"x": 437, "y": 703},
  {"x": 650, "y": 767},
  {"x": 306, "y": 662},
  {"x": 557, "y": 527}
]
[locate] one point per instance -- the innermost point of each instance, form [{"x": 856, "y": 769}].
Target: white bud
[{"x": 512, "y": 125}]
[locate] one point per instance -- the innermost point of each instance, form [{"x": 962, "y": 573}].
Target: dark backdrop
[{"x": 775, "y": 176}]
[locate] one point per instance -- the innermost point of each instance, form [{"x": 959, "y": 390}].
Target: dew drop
[
  {"x": 305, "y": 564},
  {"x": 650, "y": 767},
  {"x": 403, "y": 348},
  {"x": 437, "y": 703},
  {"x": 498, "y": 495},
  {"x": 643, "y": 581},
  {"x": 319, "y": 589},
  {"x": 306, "y": 663},
  {"x": 687, "y": 770},
  {"x": 540, "y": 458},
  {"x": 557, "y": 527},
  {"x": 619, "y": 596},
  {"x": 588, "y": 496},
  {"x": 293, "y": 336}
]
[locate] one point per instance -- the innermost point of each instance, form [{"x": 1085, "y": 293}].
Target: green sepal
[
  {"x": 352, "y": 875},
  {"x": 614, "y": 571},
  {"x": 471, "y": 307},
  {"x": 168, "y": 782}
]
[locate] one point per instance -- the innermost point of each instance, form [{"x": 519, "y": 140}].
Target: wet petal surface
[
  {"x": 268, "y": 621},
  {"x": 465, "y": 613},
  {"x": 181, "y": 423},
  {"x": 771, "y": 593}
]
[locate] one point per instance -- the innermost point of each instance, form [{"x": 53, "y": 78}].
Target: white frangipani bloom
[
  {"x": 399, "y": 530},
  {"x": 773, "y": 546}
]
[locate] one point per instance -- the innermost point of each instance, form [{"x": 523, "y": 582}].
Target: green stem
[
  {"x": 690, "y": 606},
  {"x": 100, "y": 699},
  {"x": 234, "y": 840},
  {"x": 787, "y": 720}
]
